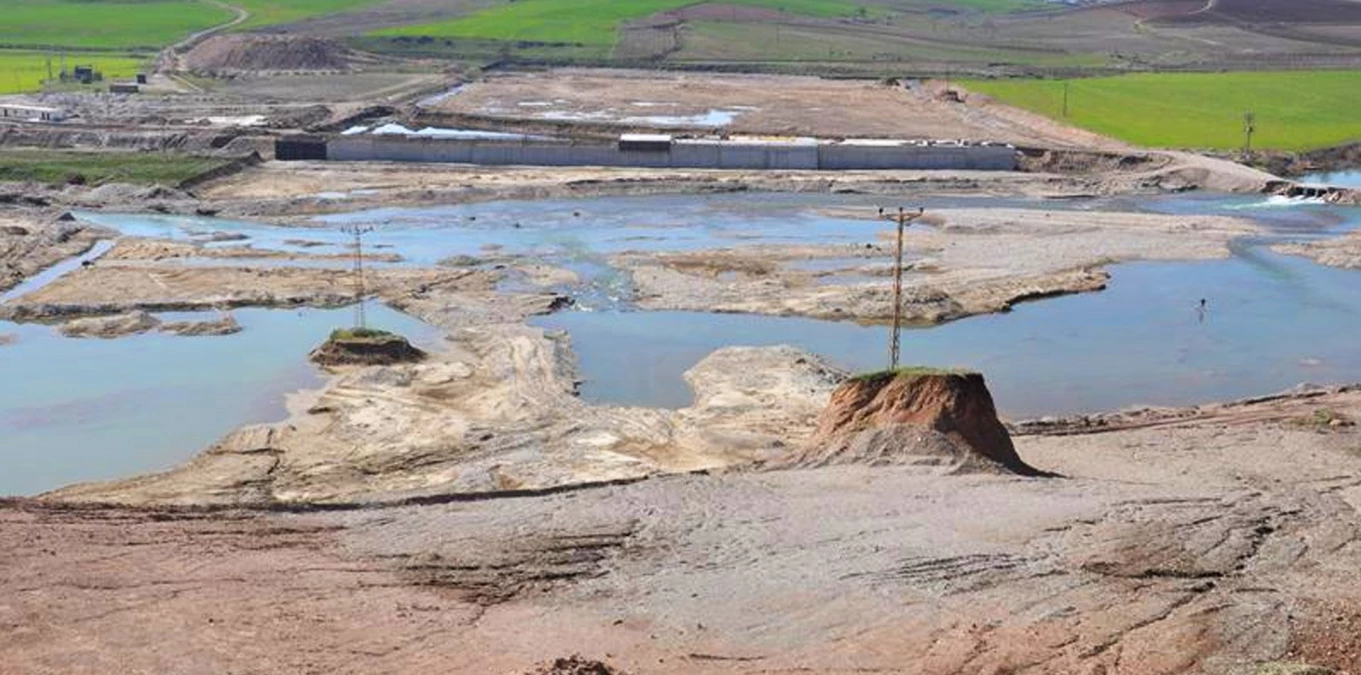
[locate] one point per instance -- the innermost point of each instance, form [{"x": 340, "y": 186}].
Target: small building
[{"x": 31, "y": 113}]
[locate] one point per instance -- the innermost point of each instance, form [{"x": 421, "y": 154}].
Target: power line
[
  {"x": 903, "y": 218},
  {"x": 358, "y": 232}
]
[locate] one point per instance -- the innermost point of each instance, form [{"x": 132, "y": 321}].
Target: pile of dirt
[
  {"x": 370, "y": 349},
  {"x": 230, "y": 54},
  {"x": 575, "y": 665},
  {"x": 944, "y": 420}
]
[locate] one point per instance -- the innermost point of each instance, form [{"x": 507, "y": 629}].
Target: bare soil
[
  {"x": 767, "y": 104},
  {"x": 1215, "y": 546}
]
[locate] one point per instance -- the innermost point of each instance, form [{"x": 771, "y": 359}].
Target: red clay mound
[
  {"x": 224, "y": 54},
  {"x": 936, "y": 419}
]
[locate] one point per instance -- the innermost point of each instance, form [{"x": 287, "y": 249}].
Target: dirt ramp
[
  {"x": 941, "y": 420},
  {"x": 230, "y": 54}
]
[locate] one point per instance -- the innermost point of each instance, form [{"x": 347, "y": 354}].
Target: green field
[
  {"x": 589, "y": 22},
  {"x": 105, "y": 25},
  {"x": 118, "y": 35},
  {"x": 142, "y": 24},
  {"x": 24, "y": 71},
  {"x": 1294, "y": 110},
  {"x": 57, "y": 167}
]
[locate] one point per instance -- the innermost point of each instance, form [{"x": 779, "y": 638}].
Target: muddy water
[
  {"x": 90, "y": 409},
  {"x": 76, "y": 410},
  {"x": 1272, "y": 322}
]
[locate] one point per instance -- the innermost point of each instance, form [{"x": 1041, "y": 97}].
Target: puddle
[
  {"x": 90, "y": 409},
  {"x": 715, "y": 117}
]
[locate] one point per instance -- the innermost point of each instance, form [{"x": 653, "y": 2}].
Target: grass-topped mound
[{"x": 365, "y": 347}]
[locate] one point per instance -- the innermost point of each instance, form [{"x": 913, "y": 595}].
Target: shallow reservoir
[
  {"x": 87, "y": 409},
  {"x": 75, "y": 410}
]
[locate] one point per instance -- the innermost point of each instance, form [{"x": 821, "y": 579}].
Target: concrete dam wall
[{"x": 679, "y": 154}]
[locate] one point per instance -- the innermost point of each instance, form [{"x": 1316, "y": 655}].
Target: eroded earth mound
[
  {"x": 376, "y": 349},
  {"x": 932, "y": 418}
]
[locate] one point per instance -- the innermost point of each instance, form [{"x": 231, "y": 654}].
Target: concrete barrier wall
[
  {"x": 682, "y": 155},
  {"x": 835, "y": 157}
]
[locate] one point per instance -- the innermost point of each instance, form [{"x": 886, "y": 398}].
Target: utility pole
[
  {"x": 903, "y": 218},
  {"x": 1065, "y": 98},
  {"x": 360, "y": 321},
  {"x": 1249, "y": 126}
]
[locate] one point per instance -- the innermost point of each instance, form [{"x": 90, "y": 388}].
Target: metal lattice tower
[
  {"x": 903, "y": 218},
  {"x": 360, "y": 320}
]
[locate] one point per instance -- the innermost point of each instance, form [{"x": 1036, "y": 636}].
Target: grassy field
[
  {"x": 117, "y": 36},
  {"x": 142, "y": 24},
  {"x": 24, "y": 71},
  {"x": 1294, "y": 110},
  {"x": 57, "y": 167},
  {"x": 589, "y": 22},
  {"x": 104, "y": 25}
]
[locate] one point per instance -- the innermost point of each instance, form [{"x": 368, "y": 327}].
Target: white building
[{"x": 31, "y": 113}]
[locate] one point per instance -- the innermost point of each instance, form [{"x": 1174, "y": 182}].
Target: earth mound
[
  {"x": 365, "y": 347},
  {"x": 944, "y": 420},
  {"x": 226, "y": 54}
]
